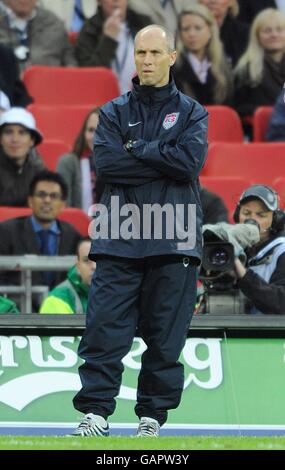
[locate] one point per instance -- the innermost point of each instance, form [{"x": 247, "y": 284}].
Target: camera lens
[{"x": 218, "y": 257}]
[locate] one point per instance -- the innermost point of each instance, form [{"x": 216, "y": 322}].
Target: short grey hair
[{"x": 170, "y": 40}]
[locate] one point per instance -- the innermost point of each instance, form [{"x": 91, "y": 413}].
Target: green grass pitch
[{"x": 133, "y": 443}]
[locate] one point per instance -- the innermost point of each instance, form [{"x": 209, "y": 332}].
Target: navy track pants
[{"x": 153, "y": 297}]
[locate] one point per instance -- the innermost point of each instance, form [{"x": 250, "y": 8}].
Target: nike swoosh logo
[{"x": 134, "y": 124}]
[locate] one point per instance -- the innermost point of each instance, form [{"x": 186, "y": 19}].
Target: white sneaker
[
  {"x": 92, "y": 425},
  {"x": 148, "y": 427}
]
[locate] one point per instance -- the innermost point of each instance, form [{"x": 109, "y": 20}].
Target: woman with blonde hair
[
  {"x": 201, "y": 70},
  {"x": 260, "y": 72},
  {"x": 233, "y": 32},
  {"x": 77, "y": 167}
]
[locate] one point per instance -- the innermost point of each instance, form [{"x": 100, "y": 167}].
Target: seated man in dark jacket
[{"x": 41, "y": 233}]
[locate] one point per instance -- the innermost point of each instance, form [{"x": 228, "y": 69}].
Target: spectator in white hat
[{"x": 19, "y": 161}]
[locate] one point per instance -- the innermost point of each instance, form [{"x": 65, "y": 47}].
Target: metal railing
[{"x": 26, "y": 264}]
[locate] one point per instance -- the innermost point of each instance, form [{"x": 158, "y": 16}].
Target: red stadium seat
[
  {"x": 51, "y": 151},
  {"x": 77, "y": 218},
  {"x": 60, "y": 122},
  {"x": 72, "y": 36},
  {"x": 72, "y": 215},
  {"x": 228, "y": 188},
  {"x": 260, "y": 162},
  {"x": 279, "y": 186},
  {"x": 10, "y": 212},
  {"x": 224, "y": 125},
  {"x": 260, "y": 122},
  {"x": 71, "y": 85}
]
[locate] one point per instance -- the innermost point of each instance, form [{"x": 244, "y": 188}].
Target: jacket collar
[
  {"x": 8, "y": 163},
  {"x": 151, "y": 94},
  {"x": 75, "y": 279}
]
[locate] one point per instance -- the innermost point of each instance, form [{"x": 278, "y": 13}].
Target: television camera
[{"x": 222, "y": 243}]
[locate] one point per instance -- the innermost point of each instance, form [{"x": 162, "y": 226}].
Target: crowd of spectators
[{"x": 229, "y": 53}]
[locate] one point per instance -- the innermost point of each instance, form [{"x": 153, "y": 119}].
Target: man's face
[
  {"x": 153, "y": 58},
  {"x": 84, "y": 265},
  {"x": 219, "y": 8},
  {"x": 21, "y": 8},
  {"x": 257, "y": 211},
  {"x": 46, "y": 202},
  {"x": 16, "y": 141},
  {"x": 109, "y": 6}
]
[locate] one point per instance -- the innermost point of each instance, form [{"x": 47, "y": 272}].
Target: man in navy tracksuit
[{"x": 150, "y": 146}]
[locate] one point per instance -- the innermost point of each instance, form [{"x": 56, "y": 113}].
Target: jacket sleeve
[
  {"x": 269, "y": 298},
  {"x": 38, "y": 163},
  {"x": 244, "y": 100},
  {"x": 5, "y": 236},
  {"x": 93, "y": 48},
  {"x": 11, "y": 83},
  {"x": 68, "y": 53},
  {"x": 113, "y": 164},
  {"x": 5, "y": 249},
  {"x": 180, "y": 160},
  {"x": 58, "y": 37},
  {"x": 276, "y": 129},
  {"x": 68, "y": 168}
]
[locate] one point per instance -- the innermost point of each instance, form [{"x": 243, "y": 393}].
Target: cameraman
[{"x": 262, "y": 281}]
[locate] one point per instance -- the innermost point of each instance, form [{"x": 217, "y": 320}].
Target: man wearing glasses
[{"x": 41, "y": 233}]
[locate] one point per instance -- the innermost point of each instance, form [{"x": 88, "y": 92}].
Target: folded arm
[
  {"x": 183, "y": 159},
  {"x": 113, "y": 163}
]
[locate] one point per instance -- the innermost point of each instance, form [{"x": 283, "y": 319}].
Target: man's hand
[
  {"x": 129, "y": 145},
  {"x": 112, "y": 25},
  {"x": 135, "y": 147},
  {"x": 239, "y": 268}
]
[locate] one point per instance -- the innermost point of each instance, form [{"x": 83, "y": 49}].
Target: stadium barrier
[{"x": 234, "y": 376}]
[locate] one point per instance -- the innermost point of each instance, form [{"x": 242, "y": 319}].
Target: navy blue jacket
[{"x": 170, "y": 130}]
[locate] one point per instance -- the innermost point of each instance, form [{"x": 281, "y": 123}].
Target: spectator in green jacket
[{"x": 71, "y": 295}]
